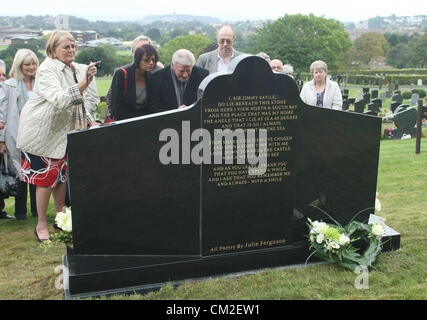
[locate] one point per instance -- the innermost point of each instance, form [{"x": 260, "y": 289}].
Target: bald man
[
  {"x": 218, "y": 60},
  {"x": 276, "y": 65}
]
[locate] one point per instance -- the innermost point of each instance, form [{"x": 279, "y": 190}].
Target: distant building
[
  {"x": 117, "y": 44},
  {"x": 62, "y": 22},
  {"x": 20, "y": 38},
  {"x": 84, "y": 36}
]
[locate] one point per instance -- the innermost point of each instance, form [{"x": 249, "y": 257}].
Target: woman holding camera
[{"x": 57, "y": 106}]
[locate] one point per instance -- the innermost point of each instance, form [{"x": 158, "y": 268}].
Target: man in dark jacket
[{"x": 176, "y": 85}]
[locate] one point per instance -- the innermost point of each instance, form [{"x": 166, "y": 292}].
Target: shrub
[
  {"x": 406, "y": 94},
  {"x": 422, "y": 93}
]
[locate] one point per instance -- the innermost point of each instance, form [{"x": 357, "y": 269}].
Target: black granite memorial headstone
[{"x": 186, "y": 194}]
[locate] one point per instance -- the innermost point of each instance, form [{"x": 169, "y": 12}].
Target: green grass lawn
[
  {"x": 30, "y": 272},
  {"x": 103, "y": 84}
]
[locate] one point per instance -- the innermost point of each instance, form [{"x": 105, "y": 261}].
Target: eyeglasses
[
  {"x": 68, "y": 46},
  {"x": 150, "y": 59},
  {"x": 227, "y": 41}
]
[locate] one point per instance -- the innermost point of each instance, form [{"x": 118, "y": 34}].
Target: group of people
[
  {"x": 277, "y": 65},
  {"x": 39, "y": 105}
]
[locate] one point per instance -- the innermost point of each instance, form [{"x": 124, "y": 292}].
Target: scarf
[{"x": 79, "y": 119}]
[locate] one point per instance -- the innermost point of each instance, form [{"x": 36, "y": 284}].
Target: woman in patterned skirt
[{"x": 57, "y": 106}]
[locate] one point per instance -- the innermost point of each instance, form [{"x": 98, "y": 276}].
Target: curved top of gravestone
[{"x": 255, "y": 74}]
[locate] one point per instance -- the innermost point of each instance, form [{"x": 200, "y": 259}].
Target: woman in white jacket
[
  {"x": 321, "y": 91},
  {"x": 14, "y": 93},
  {"x": 57, "y": 106}
]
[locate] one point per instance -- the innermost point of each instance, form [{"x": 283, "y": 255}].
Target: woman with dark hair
[{"x": 131, "y": 85}]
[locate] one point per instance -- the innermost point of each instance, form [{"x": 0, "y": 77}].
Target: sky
[{"x": 226, "y": 10}]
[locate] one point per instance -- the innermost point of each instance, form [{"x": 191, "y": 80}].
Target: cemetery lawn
[
  {"x": 30, "y": 272},
  {"x": 103, "y": 84}
]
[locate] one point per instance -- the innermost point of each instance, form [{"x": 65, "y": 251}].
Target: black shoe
[
  {"x": 37, "y": 236},
  {"x": 21, "y": 217},
  {"x": 34, "y": 214},
  {"x": 4, "y": 215},
  {"x": 55, "y": 226}
]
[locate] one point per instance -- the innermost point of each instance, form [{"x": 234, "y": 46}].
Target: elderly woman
[
  {"x": 2, "y": 71},
  {"x": 14, "y": 93},
  {"x": 321, "y": 91},
  {"x": 131, "y": 85},
  {"x": 57, "y": 106}
]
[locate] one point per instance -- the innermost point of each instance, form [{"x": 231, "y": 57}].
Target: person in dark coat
[
  {"x": 176, "y": 85},
  {"x": 130, "y": 95}
]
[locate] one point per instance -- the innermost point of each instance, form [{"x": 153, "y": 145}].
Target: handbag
[
  {"x": 9, "y": 182},
  {"x": 109, "y": 117}
]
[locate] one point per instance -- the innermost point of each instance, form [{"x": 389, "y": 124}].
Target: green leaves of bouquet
[
  {"x": 356, "y": 244},
  {"x": 64, "y": 223}
]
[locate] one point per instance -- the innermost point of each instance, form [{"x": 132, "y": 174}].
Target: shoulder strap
[{"x": 125, "y": 87}]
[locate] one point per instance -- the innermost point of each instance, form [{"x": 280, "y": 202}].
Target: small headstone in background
[
  {"x": 359, "y": 106},
  {"x": 397, "y": 98},
  {"x": 394, "y": 106},
  {"x": 374, "y": 94},
  {"x": 414, "y": 99}
]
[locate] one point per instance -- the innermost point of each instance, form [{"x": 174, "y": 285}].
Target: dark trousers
[
  {"x": 21, "y": 200},
  {"x": 2, "y": 204}
]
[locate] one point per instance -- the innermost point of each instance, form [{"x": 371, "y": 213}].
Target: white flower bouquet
[
  {"x": 63, "y": 223},
  {"x": 335, "y": 243}
]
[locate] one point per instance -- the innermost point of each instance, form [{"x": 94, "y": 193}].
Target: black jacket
[
  {"x": 123, "y": 106},
  {"x": 163, "y": 96}
]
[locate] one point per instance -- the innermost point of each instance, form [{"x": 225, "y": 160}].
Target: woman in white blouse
[
  {"x": 57, "y": 106},
  {"x": 321, "y": 91}
]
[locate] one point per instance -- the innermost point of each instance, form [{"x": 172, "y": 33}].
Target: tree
[
  {"x": 194, "y": 43},
  {"x": 300, "y": 40},
  {"x": 418, "y": 45},
  {"x": 106, "y": 54},
  {"x": 370, "y": 45},
  {"x": 399, "y": 56},
  {"x": 154, "y": 34},
  {"x": 9, "y": 53}
]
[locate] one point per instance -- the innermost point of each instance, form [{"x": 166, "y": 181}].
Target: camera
[{"x": 98, "y": 64}]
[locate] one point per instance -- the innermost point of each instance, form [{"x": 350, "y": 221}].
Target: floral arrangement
[
  {"x": 63, "y": 223},
  {"x": 336, "y": 243}
]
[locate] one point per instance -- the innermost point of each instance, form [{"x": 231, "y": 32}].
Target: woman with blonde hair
[
  {"x": 14, "y": 93},
  {"x": 57, "y": 106},
  {"x": 321, "y": 91},
  {"x": 2, "y": 71}
]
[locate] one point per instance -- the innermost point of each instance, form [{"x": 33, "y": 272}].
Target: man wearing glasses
[{"x": 219, "y": 59}]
